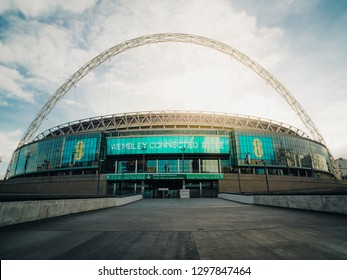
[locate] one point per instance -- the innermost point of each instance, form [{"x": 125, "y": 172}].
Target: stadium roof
[{"x": 170, "y": 120}]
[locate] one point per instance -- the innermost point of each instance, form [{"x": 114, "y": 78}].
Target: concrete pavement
[{"x": 181, "y": 229}]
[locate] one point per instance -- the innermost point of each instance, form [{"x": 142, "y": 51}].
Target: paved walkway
[{"x": 181, "y": 229}]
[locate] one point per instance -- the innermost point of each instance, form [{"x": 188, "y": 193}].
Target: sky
[{"x": 302, "y": 43}]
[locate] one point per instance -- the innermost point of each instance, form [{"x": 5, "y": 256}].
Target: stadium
[
  {"x": 170, "y": 153},
  {"x": 163, "y": 153}
]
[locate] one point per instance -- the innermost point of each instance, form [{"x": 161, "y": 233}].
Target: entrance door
[
  {"x": 171, "y": 189},
  {"x": 206, "y": 189},
  {"x": 163, "y": 189}
]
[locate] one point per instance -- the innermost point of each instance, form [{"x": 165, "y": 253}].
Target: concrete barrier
[
  {"x": 323, "y": 203},
  {"x": 16, "y": 212},
  {"x": 247, "y": 199}
]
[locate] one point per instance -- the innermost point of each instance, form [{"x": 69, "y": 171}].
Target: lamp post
[
  {"x": 266, "y": 177},
  {"x": 183, "y": 149},
  {"x": 27, "y": 156},
  {"x": 121, "y": 184},
  {"x": 143, "y": 159},
  {"x": 99, "y": 171},
  {"x": 248, "y": 160},
  {"x": 58, "y": 158},
  {"x": 73, "y": 161},
  {"x": 238, "y": 178}
]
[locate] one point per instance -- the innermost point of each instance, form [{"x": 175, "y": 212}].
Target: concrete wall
[
  {"x": 87, "y": 184},
  {"x": 324, "y": 203},
  {"x": 27, "y": 211},
  {"x": 247, "y": 199},
  {"x": 65, "y": 185},
  {"x": 257, "y": 183}
]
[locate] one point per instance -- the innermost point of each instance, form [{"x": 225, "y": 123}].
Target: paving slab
[{"x": 174, "y": 229}]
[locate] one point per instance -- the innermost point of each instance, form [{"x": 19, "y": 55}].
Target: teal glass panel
[
  {"x": 186, "y": 166},
  {"x": 151, "y": 166},
  {"x": 40, "y": 156},
  {"x": 209, "y": 166},
  {"x": 168, "y": 145},
  {"x": 79, "y": 150},
  {"x": 168, "y": 166},
  {"x": 256, "y": 147},
  {"x": 14, "y": 164},
  {"x": 23, "y": 160},
  {"x": 128, "y": 166}
]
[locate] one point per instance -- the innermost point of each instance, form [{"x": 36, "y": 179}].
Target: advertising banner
[
  {"x": 78, "y": 150},
  {"x": 167, "y": 144},
  {"x": 256, "y": 147}
]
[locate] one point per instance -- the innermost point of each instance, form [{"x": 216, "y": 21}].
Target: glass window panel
[
  {"x": 209, "y": 166},
  {"x": 168, "y": 166}
]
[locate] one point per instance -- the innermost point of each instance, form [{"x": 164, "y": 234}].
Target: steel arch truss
[{"x": 170, "y": 37}]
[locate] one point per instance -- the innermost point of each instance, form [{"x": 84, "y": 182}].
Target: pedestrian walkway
[{"x": 181, "y": 229}]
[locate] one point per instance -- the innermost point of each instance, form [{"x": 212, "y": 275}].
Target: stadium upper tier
[{"x": 170, "y": 120}]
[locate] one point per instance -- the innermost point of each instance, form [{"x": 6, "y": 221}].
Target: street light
[
  {"x": 183, "y": 149},
  {"x": 238, "y": 178},
  {"x": 99, "y": 171},
  {"x": 27, "y": 156},
  {"x": 73, "y": 161},
  {"x": 121, "y": 184},
  {"x": 266, "y": 178},
  {"x": 248, "y": 160},
  {"x": 143, "y": 159}
]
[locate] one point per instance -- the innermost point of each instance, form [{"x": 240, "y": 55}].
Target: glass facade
[
  {"x": 80, "y": 150},
  {"x": 278, "y": 150},
  {"x": 204, "y": 152},
  {"x": 56, "y": 154}
]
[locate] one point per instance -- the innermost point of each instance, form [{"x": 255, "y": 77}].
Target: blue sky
[{"x": 302, "y": 43}]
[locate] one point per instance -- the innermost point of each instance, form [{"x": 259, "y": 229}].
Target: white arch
[{"x": 170, "y": 37}]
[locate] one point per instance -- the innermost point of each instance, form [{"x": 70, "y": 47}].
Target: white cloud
[
  {"x": 10, "y": 81},
  {"x": 9, "y": 141},
  {"x": 4, "y": 103},
  {"x": 44, "y": 7},
  {"x": 5, "y": 5},
  {"x": 43, "y": 50}
]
